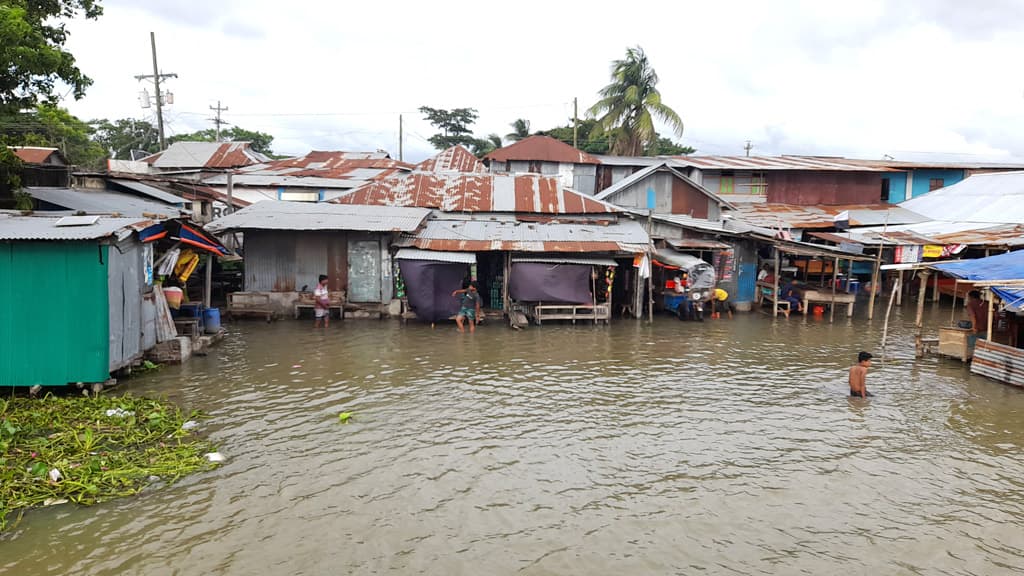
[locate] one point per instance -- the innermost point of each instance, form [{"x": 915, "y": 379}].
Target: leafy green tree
[
  {"x": 590, "y": 136},
  {"x": 54, "y": 127},
  {"x": 454, "y": 125},
  {"x": 663, "y": 146},
  {"x": 122, "y": 136},
  {"x": 484, "y": 146},
  {"x": 32, "y": 55},
  {"x": 629, "y": 104},
  {"x": 520, "y": 130},
  {"x": 260, "y": 141}
]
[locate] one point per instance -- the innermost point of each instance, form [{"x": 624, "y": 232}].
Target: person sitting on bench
[{"x": 791, "y": 293}]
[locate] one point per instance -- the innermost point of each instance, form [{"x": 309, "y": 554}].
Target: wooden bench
[
  {"x": 249, "y": 304},
  {"x": 187, "y": 327},
  {"x": 573, "y": 312},
  {"x": 336, "y": 301},
  {"x": 767, "y": 292}
]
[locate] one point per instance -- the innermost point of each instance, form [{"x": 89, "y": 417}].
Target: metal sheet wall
[
  {"x": 124, "y": 297},
  {"x": 53, "y": 293},
  {"x": 285, "y": 261}
]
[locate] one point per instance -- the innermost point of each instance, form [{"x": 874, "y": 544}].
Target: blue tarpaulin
[{"x": 1009, "y": 266}]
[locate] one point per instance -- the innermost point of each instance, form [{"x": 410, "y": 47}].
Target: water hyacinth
[{"x": 87, "y": 450}]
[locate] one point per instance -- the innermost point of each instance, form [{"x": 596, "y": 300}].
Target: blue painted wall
[
  {"x": 897, "y": 186},
  {"x": 921, "y": 178}
]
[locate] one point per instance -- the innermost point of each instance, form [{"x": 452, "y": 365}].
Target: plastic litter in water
[
  {"x": 55, "y": 475},
  {"x": 119, "y": 413},
  {"x": 190, "y": 424},
  {"x": 214, "y": 456}
]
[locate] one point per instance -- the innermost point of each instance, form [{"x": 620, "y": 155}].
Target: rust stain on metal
[{"x": 454, "y": 159}]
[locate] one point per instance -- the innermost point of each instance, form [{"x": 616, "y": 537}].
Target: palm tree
[
  {"x": 484, "y": 146},
  {"x": 520, "y": 130},
  {"x": 629, "y": 104}
]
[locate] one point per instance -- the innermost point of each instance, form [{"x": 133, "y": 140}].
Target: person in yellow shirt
[{"x": 720, "y": 300}]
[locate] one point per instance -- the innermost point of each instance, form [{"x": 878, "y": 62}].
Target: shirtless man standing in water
[{"x": 858, "y": 376}]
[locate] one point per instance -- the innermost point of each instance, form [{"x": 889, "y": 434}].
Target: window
[
  {"x": 726, "y": 183},
  {"x": 758, "y": 184},
  {"x": 936, "y": 183},
  {"x": 885, "y": 189}
]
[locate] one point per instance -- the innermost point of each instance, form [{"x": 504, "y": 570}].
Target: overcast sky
[{"x": 925, "y": 79}]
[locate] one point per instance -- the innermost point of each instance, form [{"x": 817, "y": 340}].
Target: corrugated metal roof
[
  {"x": 435, "y": 256},
  {"x": 953, "y": 165},
  {"x": 274, "y": 215},
  {"x": 104, "y": 202},
  {"x": 542, "y": 149},
  {"x": 151, "y": 191},
  {"x": 216, "y": 155},
  {"x": 566, "y": 260},
  {"x": 16, "y": 227},
  {"x": 471, "y": 235},
  {"x": 454, "y": 159},
  {"x": 762, "y": 163},
  {"x": 318, "y": 169},
  {"x": 36, "y": 154},
  {"x": 461, "y": 192},
  {"x": 660, "y": 167},
  {"x": 821, "y": 216},
  {"x": 700, "y": 243},
  {"x": 996, "y": 198},
  {"x": 941, "y": 233}
]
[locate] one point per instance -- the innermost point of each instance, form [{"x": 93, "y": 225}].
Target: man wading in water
[
  {"x": 858, "y": 376},
  {"x": 469, "y": 307}
]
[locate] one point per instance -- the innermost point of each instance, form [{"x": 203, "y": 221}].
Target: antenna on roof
[{"x": 748, "y": 147}]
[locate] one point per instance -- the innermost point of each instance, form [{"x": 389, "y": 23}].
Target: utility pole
[
  {"x": 156, "y": 76},
  {"x": 216, "y": 120},
  {"x": 400, "y": 138},
  {"x": 575, "y": 124},
  {"x": 748, "y": 147}
]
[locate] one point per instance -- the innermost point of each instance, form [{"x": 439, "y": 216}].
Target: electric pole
[
  {"x": 156, "y": 77},
  {"x": 748, "y": 147},
  {"x": 216, "y": 120},
  {"x": 400, "y": 138},
  {"x": 575, "y": 123}
]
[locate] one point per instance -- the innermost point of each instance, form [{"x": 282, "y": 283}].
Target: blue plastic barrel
[
  {"x": 211, "y": 318},
  {"x": 853, "y": 287}
]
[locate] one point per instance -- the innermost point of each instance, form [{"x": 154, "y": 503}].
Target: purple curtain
[
  {"x": 542, "y": 282},
  {"x": 429, "y": 286}
]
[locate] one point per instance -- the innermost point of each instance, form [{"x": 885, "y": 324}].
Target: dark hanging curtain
[
  {"x": 544, "y": 282},
  {"x": 429, "y": 286}
]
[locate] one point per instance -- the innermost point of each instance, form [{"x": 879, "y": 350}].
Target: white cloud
[{"x": 858, "y": 78}]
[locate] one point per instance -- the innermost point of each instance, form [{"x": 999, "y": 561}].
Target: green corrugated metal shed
[{"x": 54, "y": 313}]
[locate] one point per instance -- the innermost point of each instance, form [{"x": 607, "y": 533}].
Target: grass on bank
[{"x": 88, "y": 450}]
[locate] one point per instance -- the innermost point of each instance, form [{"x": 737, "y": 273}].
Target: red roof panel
[{"x": 542, "y": 149}]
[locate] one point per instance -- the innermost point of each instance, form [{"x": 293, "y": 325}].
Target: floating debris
[
  {"x": 214, "y": 456},
  {"x": 119, "y": 413},
  {"x": 344, "y": 417},
  {"x": 189, "y": 425}
]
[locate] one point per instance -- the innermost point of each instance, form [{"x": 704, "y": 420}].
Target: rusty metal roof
[
  {"x": 14, "y": 226},
  {"x": 318, "y": 169},
  {"x": 463, "y": 192},
  {"x": 210, "y": 155},
  {"x": 275, "y": 215},
  {"x": 821, "y": 216},
  {"x": 542, "y": 149},
  {"x": 36, "y": 154},
  {"x": 943, "y": 233},
  {"x": 454, "y": 159},
  {"x": 508, "y": 234},
  {"x": 699, "y": 243},
  {"x": 761, "y": 163}
]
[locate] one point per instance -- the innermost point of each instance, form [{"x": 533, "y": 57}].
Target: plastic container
[
  {"x": 211, "y": 320},
  {"x": 853, "y": 286},
  {"x": 173, "y": 295},
  {"x": 818, "y": 310}
]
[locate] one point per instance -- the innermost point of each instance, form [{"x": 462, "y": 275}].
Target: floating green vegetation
[
  {"x": 87, "y": 450},
  {"x": 344, "y": 417}
]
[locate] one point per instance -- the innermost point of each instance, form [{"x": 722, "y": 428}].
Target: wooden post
[
  {"x": 835, "y": 278},
  {"x": 650, "y": 269},
  {"x": 991, "y": 308},
  {"x": 874, "y": 282},
  {"x": 209, "y": 281},
  {"x": 593, "y": 290},
  {"x": 935, "y": 293},
  {"x": 952, "y": 313},
  {"x": 922, "y": 293},
  {"x": 775, "y": 293},
  {"x": 504, "y": 288},
  {"x": 888, "y": 309},
  {"x": 899, "y": 295}
]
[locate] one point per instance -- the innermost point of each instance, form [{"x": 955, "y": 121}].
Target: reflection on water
[{"x": 724, "y": 447}]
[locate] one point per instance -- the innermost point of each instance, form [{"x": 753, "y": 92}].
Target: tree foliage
[
  {"x": 32, "y": 55},
  {"x": 629, "y": 104},
  {"x": 663, "y": 146},
  {"x": 454, "y": 126},
  {"x": 520, "y": 130},
  {"x": 590, "y": 136},
  {"x": 54, "y": 127},
  {"x": 260, "y": 141},
  {"x": 122, "y": 136},
  {"x": 484, "y": 146}
]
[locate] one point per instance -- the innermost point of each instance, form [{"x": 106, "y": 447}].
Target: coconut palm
[
  {"x": 629, "y": 104},
  {"x": 520, "y": 130}
]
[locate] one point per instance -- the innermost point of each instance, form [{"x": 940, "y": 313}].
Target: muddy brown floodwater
[{"x": 728, "y": 447}]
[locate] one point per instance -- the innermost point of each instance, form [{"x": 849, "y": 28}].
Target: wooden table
[
  {"x": 809, "y": 294},
  {"x": 574, "y": 312}
]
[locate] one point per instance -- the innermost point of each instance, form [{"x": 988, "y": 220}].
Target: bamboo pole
[
  {"x": 888, "y": 310},
  {"x": 874, "y": 283},
  {"x": 835, "y": 278},
  {"x": 899, "y": 295},
  {"x": 775, "y": 307},
  {"x": 952, "y": 313},
  {"x": 935, "y": 293},
  {"x": 593, "y": 290},
  {"x": 922, "y": 293},
  {"x": 991, "y": 307}
]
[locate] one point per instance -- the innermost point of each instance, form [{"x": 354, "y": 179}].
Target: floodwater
[{"x": 728, "y": 447}]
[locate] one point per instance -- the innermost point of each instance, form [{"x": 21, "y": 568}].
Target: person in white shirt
[{"x": 321, "y": 303}]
